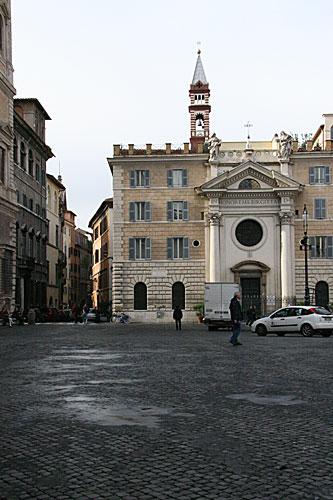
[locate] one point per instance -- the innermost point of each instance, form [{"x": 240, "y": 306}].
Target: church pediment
[{"x": 250, "y": 175}]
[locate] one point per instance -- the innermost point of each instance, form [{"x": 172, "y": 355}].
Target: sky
[{"x": 118, "y": 72}]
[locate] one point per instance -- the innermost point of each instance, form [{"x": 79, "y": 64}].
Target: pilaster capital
[
  {"x": 286, "y": 217},
  {"x": 214, "y": 218}
]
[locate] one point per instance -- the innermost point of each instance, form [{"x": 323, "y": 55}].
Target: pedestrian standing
[
  {"x": 177, "y": 316},
  {"x": 236, "y": 318}
]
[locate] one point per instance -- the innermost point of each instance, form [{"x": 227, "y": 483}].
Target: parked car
[{"x": 307, "y": 320}]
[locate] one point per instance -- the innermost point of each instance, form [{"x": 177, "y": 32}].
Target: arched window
[
  {"x": 178, "y": 295},
  {"x": 322, "y": 293},
  {"x": 249, "y": 184},
  {"x": 140, "y": 297},
  {"x": 23, "y": 155},
  {"x": 199, "y": 125},
  {"x": 31, "y": 163},
  {"x": 15, "y": 150}
]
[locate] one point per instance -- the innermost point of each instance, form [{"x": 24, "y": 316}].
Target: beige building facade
[
  {"x": 102, "y": 255},
  {"x": 55, "y": 201},
  {"x": 8, "y": 204},
  {"x": 221, "y": 212}
]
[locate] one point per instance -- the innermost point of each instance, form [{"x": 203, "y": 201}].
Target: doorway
[{"x": 251, "y": 295}]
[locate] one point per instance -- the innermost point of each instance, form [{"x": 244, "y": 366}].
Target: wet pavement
[{"x": 145, "y": 412}]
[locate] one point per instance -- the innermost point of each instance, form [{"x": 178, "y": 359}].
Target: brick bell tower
[{"x": 199, "y": 108}]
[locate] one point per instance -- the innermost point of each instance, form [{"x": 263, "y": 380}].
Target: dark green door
[{"x": 251, "y": 295}]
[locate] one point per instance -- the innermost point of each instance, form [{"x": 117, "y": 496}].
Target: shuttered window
[
  {"x": 321, "y": 247},
  {"x": 139, "y": 178},
  {"x": 139, "y": 211},
  {"x": 178, "y": 248},
  {"x": 320, "y": 175},
  {"x": 140, "y": 248},
  {"x": 177, "y": 210},
  {"x": 320, "y": 211},
  {"x": 177, "y": 177}
]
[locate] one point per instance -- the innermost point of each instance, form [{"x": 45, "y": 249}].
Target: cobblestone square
[{"x": 144, "y": 412}]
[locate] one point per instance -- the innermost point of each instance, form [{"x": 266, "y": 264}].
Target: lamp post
[{"x": 306, "y": 245}]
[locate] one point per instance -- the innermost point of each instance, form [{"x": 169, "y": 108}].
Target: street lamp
[{"x": 305, "y": 244}]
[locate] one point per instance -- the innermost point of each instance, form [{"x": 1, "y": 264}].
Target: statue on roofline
[
  {"x": 286, "y": 145},
  {"x": 214, "y": 144}
]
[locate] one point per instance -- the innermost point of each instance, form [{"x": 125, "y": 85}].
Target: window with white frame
[
  {"x": 140, "y": 248},
  {"x": 139, "y": 211},
  {"x": 178, "y": 248},
  {"x": 177, "y": 210},
  {"x": 320, "y": 208},
  {"x": 321, "y": 247},
  {"x": 320, "y": 174}
]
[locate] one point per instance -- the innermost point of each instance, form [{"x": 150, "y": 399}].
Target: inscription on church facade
[{"x": 251, "y": 202}]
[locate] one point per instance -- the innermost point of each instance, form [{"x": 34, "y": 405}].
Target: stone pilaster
[
  {"x": 287, "y": 272},
  {"x": 214, "y": 247}
]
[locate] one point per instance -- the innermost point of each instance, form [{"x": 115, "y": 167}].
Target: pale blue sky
[{"x": 110, "y": 72}]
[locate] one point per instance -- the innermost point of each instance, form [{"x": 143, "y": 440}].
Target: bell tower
[{"x": 199, "y": 107}]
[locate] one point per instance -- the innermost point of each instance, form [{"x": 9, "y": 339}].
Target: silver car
[{"x": 307, "y": 320}]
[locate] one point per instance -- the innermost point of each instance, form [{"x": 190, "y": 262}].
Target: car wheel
[
  {"x": 307, "y": 330},
  {"x": 281, "y": 334},
  {"x": 261, "y": 330},
  {"x": 326, "y": 333}
]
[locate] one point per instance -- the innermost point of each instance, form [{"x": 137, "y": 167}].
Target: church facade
[{"x": 221, "y": 212}]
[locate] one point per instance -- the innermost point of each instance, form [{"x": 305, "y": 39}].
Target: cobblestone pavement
[{"x": 144, "y": 412}]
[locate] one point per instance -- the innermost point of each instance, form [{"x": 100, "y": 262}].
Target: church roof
[{"x": 199, "y": 72}]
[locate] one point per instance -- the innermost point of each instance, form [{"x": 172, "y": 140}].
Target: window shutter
[
  {"x": 170, "y": 183},
  {"x": 147, "y": 211},
  {"x": 313, "y": 247},
  {"x": 132, "y": 178},
  {"x": 185, "y": 210},
  {"x": 169, "y": 211},
  {"x": 148, "y": 248},
  {"x": 184, "y": 176},
  {"x": 132, "y": 211},
  {"x": 186, "y": 248},
  {"x": 147, "y": 178},
  {"x": 329, "y": 247},
  {"x": 132, "y": 248},
  {"x": 169, "y": 248},
  {"x": 312, "y": 175},
  {"x": 327, "y": 175},
  {"x": 317, "y": 208},
  {"x": 323, "y": 208}
]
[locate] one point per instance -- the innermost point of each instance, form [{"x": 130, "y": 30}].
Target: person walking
[
  {"x": 249, "y": 315},
  {"x": 236, "y": 318},
  {"x": 253, "y": 316},
  {"x": 85, "y": 314},
  {"x": 177, "y": 316}
]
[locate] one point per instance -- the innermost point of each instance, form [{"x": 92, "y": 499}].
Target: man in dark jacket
[
  {"x": 236, "y": 318},
  {"x": 177, "y": 316}
]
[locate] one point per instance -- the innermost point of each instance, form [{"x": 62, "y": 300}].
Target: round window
[
  {"x": 196, "y": 243},
  {"x": 249, "y": 233}
]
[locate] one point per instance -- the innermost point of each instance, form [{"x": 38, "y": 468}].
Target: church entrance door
[{"x": 251, "y": 295}]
